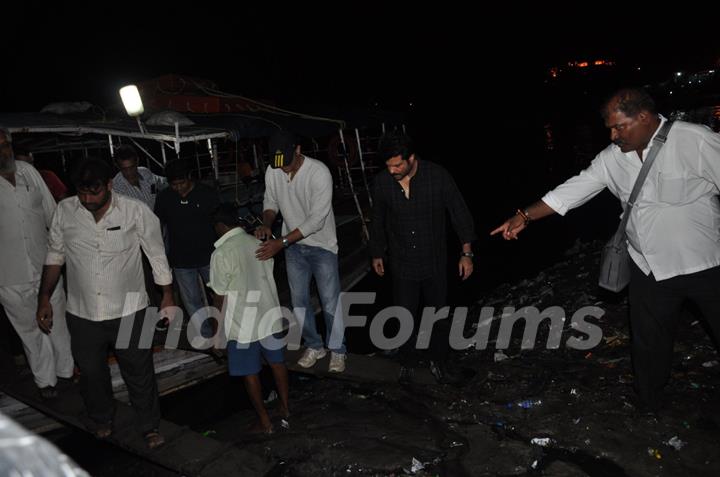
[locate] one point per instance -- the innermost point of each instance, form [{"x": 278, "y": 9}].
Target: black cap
[{"x": 282, "y": 149}]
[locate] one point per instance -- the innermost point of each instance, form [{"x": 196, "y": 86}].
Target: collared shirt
[
  {"x": 248, "y": 286},
  {"x": 25, "y": 214},
  {"x": 674, "y": 227},
  {"x": 305, "y": 202},
  {"x": 412, "y": 229},
  {"x": 149, "y": 186},
  {"x": 104, "y": 270}
]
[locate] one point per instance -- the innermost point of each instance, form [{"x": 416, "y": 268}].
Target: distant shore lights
[{"x": 556, "y": 71}]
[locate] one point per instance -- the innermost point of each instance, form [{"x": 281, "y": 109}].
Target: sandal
[{"x": 153, "y": 439}]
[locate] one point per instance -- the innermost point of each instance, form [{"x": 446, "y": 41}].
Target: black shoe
[
  {"x": 443, "y": 374},
  {"x": 65, "y": 383},
  {"x": 48, "y": 392},
  {"x": 643, "y": 408}
]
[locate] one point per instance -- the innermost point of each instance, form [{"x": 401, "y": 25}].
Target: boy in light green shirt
[{"x": 246, "y": 293}]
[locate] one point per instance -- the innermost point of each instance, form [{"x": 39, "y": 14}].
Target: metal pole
[
  {"x": 362, "y": 165},
  {"x": 237, "y": 178},
  {"x": 259, "y": 163},
  {"x": 213, "y": 157},
  {"x": 352, "y": 188},
  {"x": 177, "y": 139},
  {"x": 197, "y": 159},
  {"x": 150, "y": 156},
  {"x": 112, "y": 149},
  {"x": 140, "y": 125}
]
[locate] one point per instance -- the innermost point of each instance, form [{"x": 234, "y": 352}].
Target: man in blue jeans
[
  {"x": 300, "y": 188},
  {"x": 185, "y": 208}
]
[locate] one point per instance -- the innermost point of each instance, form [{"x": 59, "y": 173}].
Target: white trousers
[{"x": 49, "y": 356}]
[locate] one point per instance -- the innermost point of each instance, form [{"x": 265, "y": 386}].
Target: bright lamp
[{"x": 131, "y": 100}]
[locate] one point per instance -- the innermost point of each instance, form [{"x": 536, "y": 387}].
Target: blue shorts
[{"x": 244, "y": 358}]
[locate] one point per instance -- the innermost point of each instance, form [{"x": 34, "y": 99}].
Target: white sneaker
[
  {"x": 310, "y": 357},
  {"x": 337, "y": 363}
]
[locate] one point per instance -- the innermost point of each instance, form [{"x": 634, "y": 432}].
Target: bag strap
[{"x": 658, "y": 142}]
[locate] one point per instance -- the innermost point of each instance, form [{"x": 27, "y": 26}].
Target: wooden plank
[
  {"x": 175, "y": 370},
  {"x": 185, "y": 452}
]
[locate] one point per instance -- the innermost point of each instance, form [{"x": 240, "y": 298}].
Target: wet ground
[{"x": 553, "y": 412}]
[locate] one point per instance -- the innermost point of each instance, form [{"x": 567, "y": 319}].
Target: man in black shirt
[
  {"x": 411, "y": 199},
  {"x": 184, "y": 209}
]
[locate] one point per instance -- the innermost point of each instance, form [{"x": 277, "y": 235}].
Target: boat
[{"x": 228, "y": 151}]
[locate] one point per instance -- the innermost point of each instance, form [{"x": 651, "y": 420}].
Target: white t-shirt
[{"x": 305, "y": 202}]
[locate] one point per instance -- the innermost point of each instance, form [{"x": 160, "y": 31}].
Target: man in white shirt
[
  {"x": 300, "y": 188},
  {"x": 673, "y": 231},
  {"x": 26, "y": 208},
  {"x": 133, "y": 181},
  {"x": 98, "y": 235}
]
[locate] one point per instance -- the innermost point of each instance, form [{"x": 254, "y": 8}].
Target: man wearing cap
[{"x": 300, "y": 188}]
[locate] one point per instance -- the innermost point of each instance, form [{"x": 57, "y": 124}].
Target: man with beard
[
  {"x": 98, "y": 235},
  {"x": 25, "y": 214},
  {"x": 411, "y": 200},
  {"x": 300, "y": 188},
  {"x": 673, "y": 232}
]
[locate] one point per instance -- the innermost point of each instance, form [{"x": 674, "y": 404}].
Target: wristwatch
[
  {"x": 285, "y": 242},
  {"x": 468, "y": 254}
]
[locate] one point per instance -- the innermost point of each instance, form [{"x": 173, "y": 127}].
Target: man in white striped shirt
[
  {"x": 673, "y": 232},
  {"x": 133, "y": 181},
  {"x": 98, "y": 235}
]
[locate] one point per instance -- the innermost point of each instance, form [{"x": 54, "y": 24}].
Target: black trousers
[
  {"x": 430, "y": 292},
  {"x": 90, "y": 342},
  {"x": 655, "y": 309}
]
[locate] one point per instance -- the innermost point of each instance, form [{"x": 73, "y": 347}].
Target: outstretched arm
[{"x": 517, "y": 223}]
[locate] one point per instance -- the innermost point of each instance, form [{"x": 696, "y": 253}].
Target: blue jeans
[
  {"x": 303, "y": 262},
  {"x": 193, "y": 294}
]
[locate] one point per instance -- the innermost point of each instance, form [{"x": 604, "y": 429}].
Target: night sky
[{"x": 358, "y": 55}]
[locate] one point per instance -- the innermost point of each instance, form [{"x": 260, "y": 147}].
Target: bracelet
[
  {"x": 468, "y": 254},
  {"x": 524, "y": 215}
]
